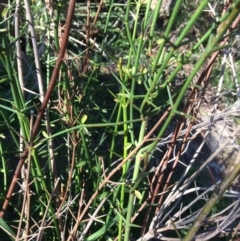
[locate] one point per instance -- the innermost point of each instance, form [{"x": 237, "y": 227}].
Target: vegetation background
[{"x": 108, "y": 115}]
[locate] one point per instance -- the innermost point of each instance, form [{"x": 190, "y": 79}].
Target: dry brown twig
[{"x": 43, "y": 106}]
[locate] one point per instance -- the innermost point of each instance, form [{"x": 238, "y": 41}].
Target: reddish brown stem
[{"x": 44, "y": 104}]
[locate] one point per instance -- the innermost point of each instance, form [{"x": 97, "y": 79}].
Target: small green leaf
[
  {"x": 103, "y": 195},
  {"x": 45, "y": 134},
  {"x": 127, "y": 146},
  {"x": 5, "y": 12},
  {"x": 84, "y": 118},
  {"x": 139, "y": 81},
  {"x": 135, "y": 225},
  {"x": 85, "y": 131},
  {"x": 2, "y": 80},
  {"x": 123, "y": 95},
  {"x": 160, "y": 41},
  {"x": 95, "y": 169},
  {"x": 81, "y": 164},
  {"x": 127, "y": 71},
  {"x": 138, "y": 194}
]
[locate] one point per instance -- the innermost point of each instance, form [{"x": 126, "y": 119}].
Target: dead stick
[{"x": 44, "y": 103}]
